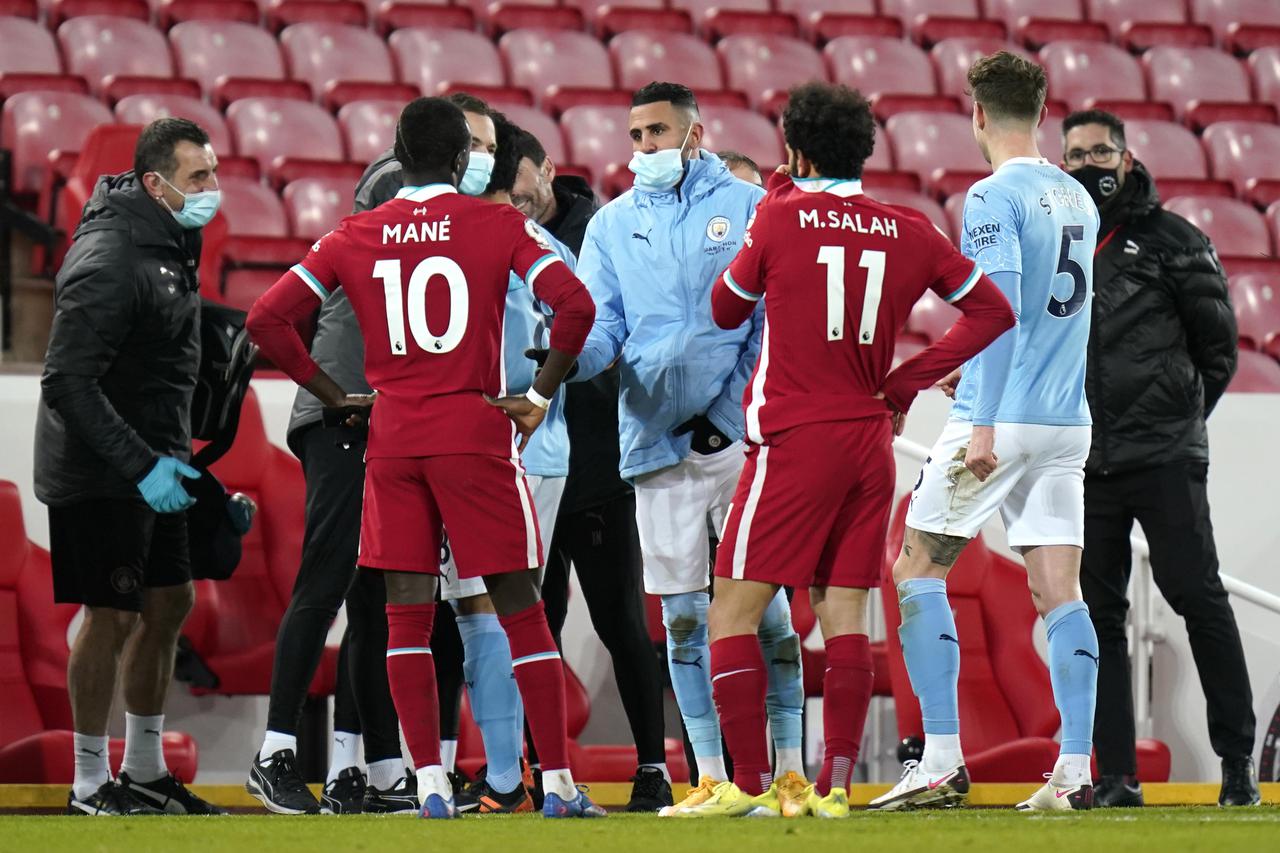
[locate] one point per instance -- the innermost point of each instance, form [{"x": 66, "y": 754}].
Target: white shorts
[
  {"x": 1038, "y": 485},
  {"x": 547, "y": 492},
  {"x": 674, "y": 507}
]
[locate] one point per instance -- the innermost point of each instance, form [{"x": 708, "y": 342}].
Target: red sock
[
  {"x": 540, "y": 677},
  {"x": 412, "y": 675},
  {"x": 739, "y": 683},
  {"x": 846, "y": 695}
]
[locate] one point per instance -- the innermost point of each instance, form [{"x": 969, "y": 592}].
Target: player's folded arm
[
  {"x": 731, "y": 303},
  {"x": 274, "y": 318},
  {"x": 554, "y": 284}
]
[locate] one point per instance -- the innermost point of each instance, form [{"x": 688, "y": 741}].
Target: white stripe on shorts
[
  {"x": 526, "y": 506},
  {"x": 749, "y": 513}
]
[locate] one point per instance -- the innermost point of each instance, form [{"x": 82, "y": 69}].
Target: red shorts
[
  {"x": 484, "y": 502},
  {"x": 812, "y": 507}
]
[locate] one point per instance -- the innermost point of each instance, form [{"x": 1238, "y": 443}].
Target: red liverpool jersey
[
  {"x": 839, "y": 273},
  {"x": 427, "y": 276}
]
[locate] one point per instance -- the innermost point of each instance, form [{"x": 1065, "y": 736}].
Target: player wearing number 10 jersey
[
  {"x": 427, "y": 276},
  {"x": 838, "y": 273}
]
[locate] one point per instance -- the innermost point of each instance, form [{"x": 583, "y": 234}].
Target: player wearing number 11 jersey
[
  {"x": 838, "y": 273},
  {"x": 427, "y": 276},
  {"x": 1016, "y": 442}
]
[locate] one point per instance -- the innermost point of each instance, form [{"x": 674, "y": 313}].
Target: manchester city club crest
[{"x": 718, "y": 228}]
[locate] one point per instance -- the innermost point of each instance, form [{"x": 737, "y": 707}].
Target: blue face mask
[
  {"x": 660, "y": 170},
  {"x": 479, "y": 171},
  {"x": 197, "y": 208}
]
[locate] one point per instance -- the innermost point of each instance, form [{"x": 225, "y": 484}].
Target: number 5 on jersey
[
  {"x": 393, "y": 287},
  {"x": 832, "y": 257}
]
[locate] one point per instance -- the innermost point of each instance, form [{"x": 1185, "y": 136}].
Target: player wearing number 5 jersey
[
  {"x": 1016, "y": 442},
  {"x": 838, "y": 274},
  {"x": 427, "y": 276}
]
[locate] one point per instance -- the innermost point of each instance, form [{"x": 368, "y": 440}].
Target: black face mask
[{"x": 1101, "y": 184}]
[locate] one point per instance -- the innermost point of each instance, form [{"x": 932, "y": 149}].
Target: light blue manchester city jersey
[{"x": 1033, "y": 219}]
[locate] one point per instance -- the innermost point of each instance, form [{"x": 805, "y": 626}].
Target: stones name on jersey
[{"x": 848, "y": 222}]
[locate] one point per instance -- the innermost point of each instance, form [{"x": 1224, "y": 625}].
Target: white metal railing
[{"x": 1146, "y": 633}]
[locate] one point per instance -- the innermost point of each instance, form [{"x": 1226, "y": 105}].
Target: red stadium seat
[
  {"x": 20, "y": 9},
  {"x": 765, "y": 67},
  {"x": 721, "y": 22},
  {"x": 1273, "y": 221},
  {"x": 808, "y": 12},
  {"x": 208, "y": 51},
  {"x": 398, "y": 14},
  {"x": 593, "y": 10},
  {"x": 170, "y": 12},
  {"x": 427, "y": 58},
  {"x": 369, "y": 127},
  {"x": 274, "y": 130},
  {"x": 880, "y": 65},
  {"x": 540, "y": 59},
  {"x": 1079, "y": 71},
  {"x": 700, "y": 9},
  {"x": 597, "y": 137},
  {"x": 1049, "y": 138},
  {"x": 918, "y": 202},
  {"x": 541, "y": 126},
  {"x": 746, "y": 131},
  {"x": 1255, "y": 373},
  {"x": 100, "y": 47},
  {"x": 1204, "y": 85},
  {"x": 252, "y": 209},
  {"x": 1116, "y": 13},
  {"x": 1234, "y": 227},
  {"x": 503, "y": 17},
  {"x": 939, "y": 148},
  {"x": 931, "y": 317},
  {"x": 64, "y": 10},
  {"x": 613, "y": 20},
  {"x": 27, "y": 48},
  {"x": 1256, "y": 299},
  {"x": 329, "y": 55},
  {"x": 37, "y": 123},
  {"x": 284, "y": 13},
  {"x": 496, "y": 96},
  {"x": 35, "y": 718},
  {"x": 1167, "y": 149},
  {"x": 1016, "y": 12},
  {"x": 1006, "y": 700},
  {"x": 1264, "y": 66},
  {"x": 1248, "y": 154},
  {"x": 144, "y": 109},
  {"x": 1223, "y": 14},
  {"x": 952, "y": 58},
  {"x": 642, "y": 56},
  {"x": 930, "y": 21},
  {"x": 315, "y": 206}
]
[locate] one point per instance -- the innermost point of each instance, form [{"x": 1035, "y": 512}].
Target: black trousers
[
  {"x": 603, "y": 545},
  {"x": 1172, "y": 505},
  {"x": 333, "y": 465}
]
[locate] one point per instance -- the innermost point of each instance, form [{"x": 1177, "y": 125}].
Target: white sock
[
  {"x": 345, "y": 753},
  {"x": 143, "y": 750},
  {"x": 1072, "y": 770},
  {"x": 448, "y": 754},
  {"x": 560, "y": 783},
  {"x": 92, "y": 767},
  {"x": 386, "y": 774},
  {"x": 789, "y": 758},
  {"x": 941, "y": 753},
  {"x": 276, "y": 741},
  {"x": 713, "y": 766},
  {"x": 432, "y": 780},
  {"x": 666, "y": 774}
]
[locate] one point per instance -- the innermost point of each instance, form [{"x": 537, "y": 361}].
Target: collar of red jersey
[
  {"x": 425, "y": 193},
  {"x": 843, "y": 187}
]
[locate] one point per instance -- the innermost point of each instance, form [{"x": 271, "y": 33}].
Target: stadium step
[{"x": 613, "y": 795}]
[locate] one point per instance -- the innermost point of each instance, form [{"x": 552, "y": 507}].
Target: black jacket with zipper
[
  {"x": 124, "y": 350},
  {"x": 1163, "y": 344}
]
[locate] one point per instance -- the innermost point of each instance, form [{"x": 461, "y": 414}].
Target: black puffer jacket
[
  {"x": 124, "y": 350},
  {"x": 1163, "y": 344}
]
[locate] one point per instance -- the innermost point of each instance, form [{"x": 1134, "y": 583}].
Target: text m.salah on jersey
[{"x": 848, "y": 222}]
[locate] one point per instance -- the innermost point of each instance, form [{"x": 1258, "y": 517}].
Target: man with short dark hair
[
  {"x": 741, "y": 167},
  {"x": 113, "y": 439},
  {"x": 1015, "y": 443},
  {"x": 650, "y": 258},
  {"x": 812, "y": 507},
  {"x": 563, "y": 204},
  {"x": 1161, "y": 352}
]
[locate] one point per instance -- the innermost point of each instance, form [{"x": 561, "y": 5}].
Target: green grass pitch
[{"x": 1117, "y": 831}]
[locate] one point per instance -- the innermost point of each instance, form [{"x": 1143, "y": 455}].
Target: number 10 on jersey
[
  {"x": 832, "y": 257},
  {"x": 393, "y": 287}
]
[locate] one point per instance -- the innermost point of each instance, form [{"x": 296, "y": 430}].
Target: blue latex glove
[{"x": 162, "y": 488}]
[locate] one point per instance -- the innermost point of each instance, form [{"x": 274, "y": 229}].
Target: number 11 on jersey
[{"x": 832, "y": 257}]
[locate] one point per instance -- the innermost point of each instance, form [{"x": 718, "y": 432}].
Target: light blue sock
[
  {"x": 1073, "y": 670},
  {"x": 495, "y": 699},
  {"x": 785, "y": 700},
  {"x": 931, "y": 651},
  {"x": 689, "y": 656}
]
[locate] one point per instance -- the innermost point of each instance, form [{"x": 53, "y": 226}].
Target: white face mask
[
  {"x": 479, "y": 171},
  {"x": 660, "y": 170}
]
